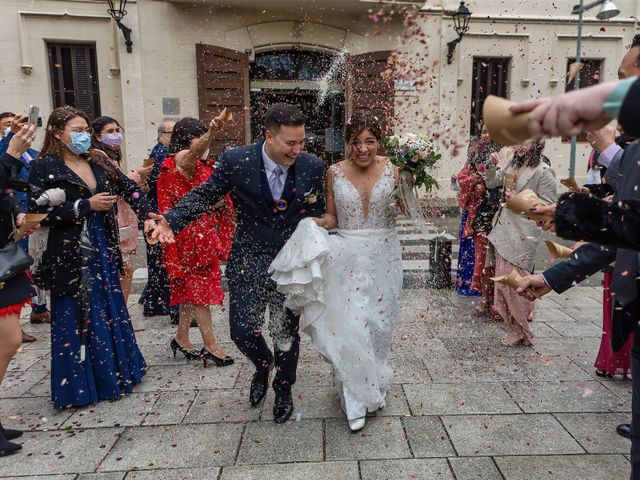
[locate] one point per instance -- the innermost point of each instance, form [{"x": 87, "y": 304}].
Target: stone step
[
  {"x": 415, "y": 252},
  {"x": 421, "y": 252},
  {"x": 428, "y": 230},
  {"x": 415, "y": 265},
  {"x": 415, "y": 274},
  {"x": 414, "y": 241},
  {"x": 421, "y": 238}
]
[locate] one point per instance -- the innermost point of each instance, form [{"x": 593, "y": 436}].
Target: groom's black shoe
[
  {"x": 282, "y": 408},
  {"x": 624, "y": 429},
  {"x": 259, "y": 386}
]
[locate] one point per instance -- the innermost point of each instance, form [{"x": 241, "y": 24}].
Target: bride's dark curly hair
[{"x": 358, "y": 124}]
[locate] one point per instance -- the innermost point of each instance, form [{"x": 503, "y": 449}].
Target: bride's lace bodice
[{"x": 351, "y": 213}]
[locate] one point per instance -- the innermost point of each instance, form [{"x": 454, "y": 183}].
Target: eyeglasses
[
  {"x": 80, "y": 130},
  {"x": 166, "y": 133}
]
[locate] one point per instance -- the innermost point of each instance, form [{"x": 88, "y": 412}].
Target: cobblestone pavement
[{"x": 461, "y": 407}]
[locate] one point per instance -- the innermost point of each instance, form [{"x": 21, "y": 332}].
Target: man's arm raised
[
  {"x": 198, "y": 201},
  {"x": 201, "y": 199}
]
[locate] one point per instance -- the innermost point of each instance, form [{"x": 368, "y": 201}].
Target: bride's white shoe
[{"x": 356, "y": 424}]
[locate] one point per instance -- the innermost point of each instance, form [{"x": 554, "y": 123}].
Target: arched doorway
[
  {"x": 326, "y": 85},
  {"x": 312, "y": 80}
]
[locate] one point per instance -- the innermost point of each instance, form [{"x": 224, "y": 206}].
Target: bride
[{"x": 347, "y": 286}]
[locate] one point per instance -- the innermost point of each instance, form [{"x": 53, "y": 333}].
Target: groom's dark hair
[{"x": 283, "y": 114}]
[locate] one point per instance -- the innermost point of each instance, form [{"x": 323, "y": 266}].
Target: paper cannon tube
[
  {"x": 523, "y": 202},
  {"x": 558, "y": 251},
  {"x": 571, "y": 184},
  {"x": 225, "y": 115},
  {"x": 503, "y": 126},
  {"x": 512, "y": 280}
]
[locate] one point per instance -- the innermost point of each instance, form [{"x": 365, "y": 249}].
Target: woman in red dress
[{"x": 193, "y": 261}]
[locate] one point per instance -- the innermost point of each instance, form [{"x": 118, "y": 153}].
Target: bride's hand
[{"x": 326, "y": 221}]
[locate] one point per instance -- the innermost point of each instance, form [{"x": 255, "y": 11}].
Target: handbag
[{"x": 13, "y": 260}]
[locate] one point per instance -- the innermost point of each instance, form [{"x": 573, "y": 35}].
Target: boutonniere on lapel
[
  {"x": 311, "y": 197},
  {"x": 281, "y": 205}
]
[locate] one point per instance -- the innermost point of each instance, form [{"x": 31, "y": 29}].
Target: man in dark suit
[
  {"x": 591, "y": 257},
  {"x": 273, "y": 186}
]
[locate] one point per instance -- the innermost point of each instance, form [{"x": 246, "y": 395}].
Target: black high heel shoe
[
  {"x": 220, "y": 362},
  {"x": 189, "y": 355}
]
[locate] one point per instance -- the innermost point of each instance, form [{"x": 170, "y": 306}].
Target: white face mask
[{"x": 6, "y": 132}]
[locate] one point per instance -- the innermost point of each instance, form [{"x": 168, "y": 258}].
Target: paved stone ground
[{"x": 461, "y": 407}]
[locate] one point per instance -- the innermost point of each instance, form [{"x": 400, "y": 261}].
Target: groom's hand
[{"x": 157, "y": 228}]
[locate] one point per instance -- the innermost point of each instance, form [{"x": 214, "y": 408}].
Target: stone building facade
[{"x": 193, "y": 57}]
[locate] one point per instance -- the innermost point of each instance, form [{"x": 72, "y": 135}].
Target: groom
[{"x": 273, "y": 186}]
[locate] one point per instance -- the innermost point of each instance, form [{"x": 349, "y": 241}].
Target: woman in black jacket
[
  {"x": 16, "y": 291},
  {"x": 94, "y": 355}
]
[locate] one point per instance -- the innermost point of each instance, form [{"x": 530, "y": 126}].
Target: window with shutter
[
  {"x": 74, "y": 77},
  {"x": 490, "y": 77}
]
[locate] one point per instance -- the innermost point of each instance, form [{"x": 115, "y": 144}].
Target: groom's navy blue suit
[{"x": 261, "y": 231}]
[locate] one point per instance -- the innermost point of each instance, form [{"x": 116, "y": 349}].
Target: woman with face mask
[
  {"x": 94, "y": 355},
  {"x": 107, "y": 137},
  {"x": 193, "y": 261}
]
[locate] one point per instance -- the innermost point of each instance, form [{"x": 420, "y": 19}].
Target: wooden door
[
  {"x": 370, "y": 92},
  {"x": 223, "y": 82}
]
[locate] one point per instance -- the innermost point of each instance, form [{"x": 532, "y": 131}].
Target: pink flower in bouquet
[
  {"x": 415, "y": 159},
  {"x": 481, "y": 168}
]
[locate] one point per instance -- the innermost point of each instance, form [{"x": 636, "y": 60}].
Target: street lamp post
[
  {"x": 576, "y": 86},
  {"x": 117, "y": 12},
  {"x": 461, "y": 25},
  {"x": 607, "y": 10}
]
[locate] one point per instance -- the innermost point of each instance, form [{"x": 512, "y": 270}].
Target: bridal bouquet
[{"x": 415, "y": 154}]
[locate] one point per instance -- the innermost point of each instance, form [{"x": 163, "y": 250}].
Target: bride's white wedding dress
[{"x": 347, "y": 288}]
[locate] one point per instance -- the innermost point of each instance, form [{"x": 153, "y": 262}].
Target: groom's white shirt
[{"x": 270, "y": 166}]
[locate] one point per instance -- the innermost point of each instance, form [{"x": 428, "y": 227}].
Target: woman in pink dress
[{"x": 515, "y": 238}]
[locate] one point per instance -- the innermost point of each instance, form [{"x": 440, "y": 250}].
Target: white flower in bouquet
[{"x": 415, "y": 154}]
